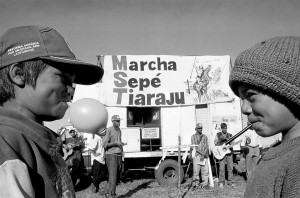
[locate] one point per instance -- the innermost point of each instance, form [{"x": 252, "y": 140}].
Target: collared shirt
[
  {"x": 255, "y": 140},
  {"x": 202, "y": 141},
  {"x": 113, "y": 134},
  {"x": 96, "y": 145}
]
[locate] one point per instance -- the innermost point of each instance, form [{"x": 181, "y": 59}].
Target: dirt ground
[{"x": 145, "y": 186}]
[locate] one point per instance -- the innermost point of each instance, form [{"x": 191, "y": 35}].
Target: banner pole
[{"x": 179, "y": 154}]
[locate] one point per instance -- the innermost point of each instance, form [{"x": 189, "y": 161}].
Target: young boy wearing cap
[
  {"x": 37, "y": 70},
  {"x": 266, "y": 78},
  {"x": 113, "y": 145}
]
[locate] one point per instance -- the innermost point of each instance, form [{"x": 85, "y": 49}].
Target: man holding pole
[{"x": 199, "y": 154}]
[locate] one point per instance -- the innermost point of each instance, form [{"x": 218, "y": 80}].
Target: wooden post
[
  {"x": 179, "y": 164},
  {"x": 179, "y": 154}
]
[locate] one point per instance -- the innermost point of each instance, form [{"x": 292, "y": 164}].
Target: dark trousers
[
  {"x": 99, "y": 173},
  {"x": 114, "y": 165},
  {"x": 77, "y": 170},
  {"x": 229, "y": 161}
]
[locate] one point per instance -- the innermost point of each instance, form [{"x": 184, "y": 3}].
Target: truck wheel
[{"x": 168, "y": 173}]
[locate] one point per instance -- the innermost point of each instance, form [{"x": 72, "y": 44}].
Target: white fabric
[
  {"x": 194, "y": 152},
  {"x": 185, "y": 156},
  {"x": 202, "y": 161},
  {"x": 255, "y": 139},
  {"x": 15, "y": 180},
  {"x": 96, "y": 145}
]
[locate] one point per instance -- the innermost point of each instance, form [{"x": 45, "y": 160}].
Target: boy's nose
[
  {"x": 71, "y": 91},
  {"x": 246, "y": 108}
]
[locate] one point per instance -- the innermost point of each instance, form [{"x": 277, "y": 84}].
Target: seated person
[{"x": 72, "y": 154}]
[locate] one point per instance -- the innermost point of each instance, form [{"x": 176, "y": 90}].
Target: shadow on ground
[{"x": 136, "y": 189}]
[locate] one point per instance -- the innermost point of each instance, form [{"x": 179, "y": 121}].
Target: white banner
[{"x": 161, "y": 80}]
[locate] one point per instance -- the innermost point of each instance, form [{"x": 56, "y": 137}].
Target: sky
[{"x": 156, "y": 27}]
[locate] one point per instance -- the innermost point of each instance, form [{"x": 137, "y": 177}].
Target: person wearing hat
[
  {"x": 266, "y": 78},
  {"x": 73, "y": 144},
  {"x": 222, "y": 137},
  {"x": 37, "y": 72},
  {"x": 252, "y": 148},
  {"x": 199, "y": 156},
  {"x": 113, "y": 146},
  {"x": 99, "y": 170}
]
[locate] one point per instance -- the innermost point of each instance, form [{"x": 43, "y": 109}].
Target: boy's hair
[
  {"x": 29, "y": 69},
  {"x": 223, "y": 125},
  {"x": 272, "y": 66}
]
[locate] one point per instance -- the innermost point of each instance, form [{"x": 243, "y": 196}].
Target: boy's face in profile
[
  {"x": 48, "y": 100},
  {"x": 268, "y": 116}
]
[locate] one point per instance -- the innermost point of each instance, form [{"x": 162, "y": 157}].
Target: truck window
[{"x": 148, "y": 118}]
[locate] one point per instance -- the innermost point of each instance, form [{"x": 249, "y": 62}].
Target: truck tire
[{"x": 167, "y": 173}]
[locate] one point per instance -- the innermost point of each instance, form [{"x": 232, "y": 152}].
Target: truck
[{"x": 160, "y": 99}]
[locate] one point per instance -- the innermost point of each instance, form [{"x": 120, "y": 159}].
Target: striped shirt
[{"x": 202, "y": 141}]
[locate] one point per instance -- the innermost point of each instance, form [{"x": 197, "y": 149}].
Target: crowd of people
[
  {"x": 106, "y": 150},
  {"x": 37, "y": 72}
]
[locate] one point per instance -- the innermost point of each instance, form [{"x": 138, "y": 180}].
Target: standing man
[
  {"x": 114, "y": 149},
  {"x": 252, "y": 147},
  {"x": 222, "y": 137},
  {"x": 200, "y": 158},
  {"x": 99, "y": 168}
]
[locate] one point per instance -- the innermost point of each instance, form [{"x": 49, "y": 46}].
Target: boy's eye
[
  {"x": 250, "y": 94},
  {"x": 65, "y": 79}
]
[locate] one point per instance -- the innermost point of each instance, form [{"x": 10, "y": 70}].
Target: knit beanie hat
[{"x": 272, "y": 65}]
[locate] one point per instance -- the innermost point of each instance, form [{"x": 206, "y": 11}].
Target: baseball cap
[
  {"x": 115, "y": 117},
  {"x": 199, "y": 125},
  {"x": 29, "y": 42}
]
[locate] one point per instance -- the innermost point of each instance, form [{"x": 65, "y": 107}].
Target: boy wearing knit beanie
[{"x": 267, "y": 79}]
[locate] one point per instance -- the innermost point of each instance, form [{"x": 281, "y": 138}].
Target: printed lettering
[
  {"x": 121, "y": 82},
  {"x": 119, "y": 65},
  {"x": 175, "y": 98},
  {"x": 143, "y": 65},
  {"x": 119, "y": 91}
]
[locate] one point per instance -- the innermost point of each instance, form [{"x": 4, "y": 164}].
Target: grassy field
[{"x": 141, "y": 186}]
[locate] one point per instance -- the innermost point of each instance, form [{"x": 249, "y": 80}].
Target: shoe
[
  {"x": 114, "y": 195},
  {"x": 221, "y": 185},
  {"x": 94, "y": 188},
  {"x": 205, "y": 187},
  {"x": 103, "y": 192},
  {"x": 231, "y": 185}
]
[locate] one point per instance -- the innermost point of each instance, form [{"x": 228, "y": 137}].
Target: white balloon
[{"x": 88, "y": 115}]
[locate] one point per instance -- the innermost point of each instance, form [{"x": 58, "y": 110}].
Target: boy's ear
[{"x": 16, "y": 75}]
